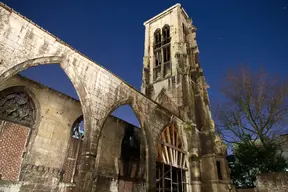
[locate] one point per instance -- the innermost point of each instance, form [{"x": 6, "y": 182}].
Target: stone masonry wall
[
  {"x": 47, "y": 145},
  {"x": 50, "y": 136},
  {"x": 276, "y": 182}
]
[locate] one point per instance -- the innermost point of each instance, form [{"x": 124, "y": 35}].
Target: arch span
[
  {"x": 146, "y": 136},
  {"x": 7, "y": 73}
]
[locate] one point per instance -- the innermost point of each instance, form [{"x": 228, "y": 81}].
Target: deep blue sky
[{"x": 230, "y": 33}]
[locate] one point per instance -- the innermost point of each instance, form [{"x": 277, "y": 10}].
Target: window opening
[
  {"x": 166, "y": 34},
  {"x": 157, "y": 67},
  {"x": 130, "y": 152},
  {"x": 78, "y": 129},
  {"x": 162, "y": 53},
  {"x": 157, "y": 39},
  {"x": 218, "y": 164},
  {"x": 171, "y": 166}
]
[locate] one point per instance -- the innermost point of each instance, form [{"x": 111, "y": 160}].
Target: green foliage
[{"x": 252, "y": 158}]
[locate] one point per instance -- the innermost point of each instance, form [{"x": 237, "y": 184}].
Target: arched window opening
[
  {"x": 78, "y": 129},
  {"x": 166, "y": 51},
  {"x": 17, "y": 117},
  {"x": 74, "y": 151},
  {"x": 157, "y": 39},
  {"x": 171, "y": 165},
  {"x": 166, "y": 34},
  {"x": 121, "y": 150},
  {"x": 162, "y": 53}
]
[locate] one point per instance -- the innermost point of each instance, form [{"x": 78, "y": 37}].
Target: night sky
[{"x": 229, "y": 33}]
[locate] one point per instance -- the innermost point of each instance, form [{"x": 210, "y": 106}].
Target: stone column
[
  {"x": 195, "y": 174},
  {"x": 86, "y": 173},
  {"x": 151, "y": 172}
]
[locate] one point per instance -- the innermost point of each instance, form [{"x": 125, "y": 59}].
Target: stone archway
[
  {"x": 6, "y": 73},
  {"x": 139, "y": 175}
]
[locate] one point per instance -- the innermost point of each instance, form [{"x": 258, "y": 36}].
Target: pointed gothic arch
[
  {"x": 170, "y": 148},
  {"x": 128, "y": 149},
  {"x": 171, "y": 165},
  {"x": 63, "y": 63},
  {"x": 157, "y": 38},
  {"x": 166, "y": 34}
]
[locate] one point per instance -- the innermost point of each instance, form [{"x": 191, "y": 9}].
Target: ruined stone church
[{"x": 42, "y": 147}]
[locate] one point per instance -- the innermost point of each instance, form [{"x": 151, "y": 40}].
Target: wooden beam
[
  {"x": 165, "y": 149},
  {"x": 173, "y": 143},
  {"x": 167, "y": 132},
  {"x": 171, "y": 146}
]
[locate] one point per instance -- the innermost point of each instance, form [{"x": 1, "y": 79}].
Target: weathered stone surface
[
  {"x": 23, "y": 44},
  {"x": 276, "y": 182}
]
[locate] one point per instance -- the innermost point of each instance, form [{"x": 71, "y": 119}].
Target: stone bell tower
[{"x": 171, "y": 74}]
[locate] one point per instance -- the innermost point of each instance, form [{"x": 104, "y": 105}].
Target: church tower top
[
  {"x": 166, "y": 12},
  {"x": 171, "y": 67}
]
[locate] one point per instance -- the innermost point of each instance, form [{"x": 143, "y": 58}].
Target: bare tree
[{"x": 255, "y": 107}]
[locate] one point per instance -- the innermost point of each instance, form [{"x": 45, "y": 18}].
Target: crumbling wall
[
  {"x": 275, "y": 182},
  {"x": 23, "y": 44},
  {"x": 56, "y": 114},
  {"x": 39, "y": 151},
  {"x": 109, "y": 164}
]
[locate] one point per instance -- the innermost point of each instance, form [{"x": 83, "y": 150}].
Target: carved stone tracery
[{"x": 17, "y": 107}]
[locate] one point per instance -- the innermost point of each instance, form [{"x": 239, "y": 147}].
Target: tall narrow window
[
  {"x": 157, "y": 66},
  {"x": 162, "y": 53},
  {"x": 166, "y": 34},
  {"x": 157, "y": 55},
  {"x": 218, "y": 165},
  {"x": 171, "y": 164},
  {"x": 167, "y": 63},
  {"x": 157, "y": 39},
  {"x": 74, "y": 150},
  {"x": 166, "y": 53},
  {"x": 166, "y": 50}
]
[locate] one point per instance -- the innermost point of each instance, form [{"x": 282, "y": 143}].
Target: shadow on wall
[{"x": 121, "y": 153}]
